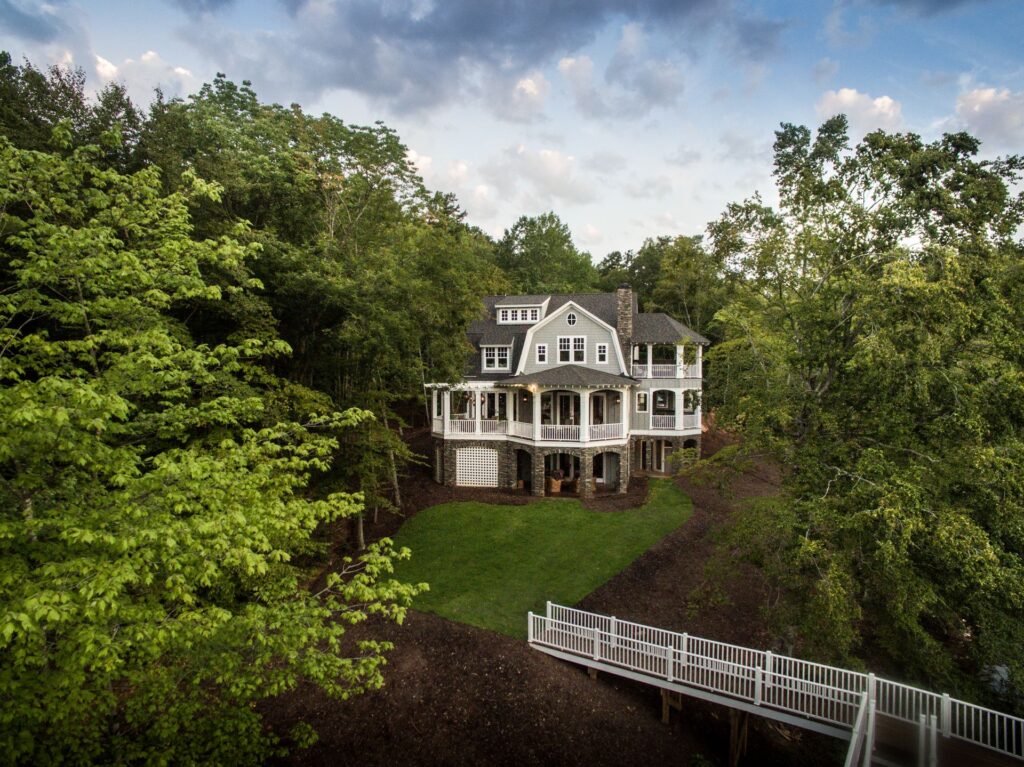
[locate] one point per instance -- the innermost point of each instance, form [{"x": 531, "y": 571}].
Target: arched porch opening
[
  {"x": 561, "y": 473},
  {"x": 608, "y": 471},
  {"x": 524, "y": 470}
]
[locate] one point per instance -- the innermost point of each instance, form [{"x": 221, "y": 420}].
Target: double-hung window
[
  {"x": 495, "y": 358},
  {"x": 641, "y": 402},
  {"x": 602, "y": 354},
  {"x": 542, "y": 354},
  {"x": 572, "y": 348}
]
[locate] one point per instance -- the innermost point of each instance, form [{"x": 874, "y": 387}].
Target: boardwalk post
[
  {"x": 597, "y": 644},
  {"x": 547, "y": 611},
  {"x": 947, "y": 718},
  {"x": 768, "y": 669},
  {"x": 529, "y": 627},
  {"x": 615, "y": 632},
  {"x": 933, "y": 726},
  {"x": 869, "y": 740},
  {"x": 670, "y": 652},
  {"x": 686, "y": 638},
  {"x": 922, "y": 740},
  {"x": 757, "y": 685},
  {"x": 871, "y": 687}
]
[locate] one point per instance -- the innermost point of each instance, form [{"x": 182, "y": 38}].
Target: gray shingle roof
[
  {"x": 568, "y": 375},
  {"x": 658, "y": 328},
  {"x": 521, "y": 300}
]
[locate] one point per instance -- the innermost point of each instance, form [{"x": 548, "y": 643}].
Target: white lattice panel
[{"x": 476, "y": 467}]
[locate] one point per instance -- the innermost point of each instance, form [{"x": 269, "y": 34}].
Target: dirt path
[{"x": 457, "y": 695}]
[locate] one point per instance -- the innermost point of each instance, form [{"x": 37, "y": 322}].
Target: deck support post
[
  {"x": 768, "y": 665},
  {"x": 686, "y": 642},
  {"x": 947, "y": 715},
  {"x": 869, "y": 738},
  {"x": 922, "y": 740},
  {"x": 933, "y": 727},
  {"x": 757, "y": 685},
  {"x": 738, "y": 728},
  {"x": 529, "y": 627}
]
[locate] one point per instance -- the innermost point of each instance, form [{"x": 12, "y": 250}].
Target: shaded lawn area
[{"x": 488, "y": 565}]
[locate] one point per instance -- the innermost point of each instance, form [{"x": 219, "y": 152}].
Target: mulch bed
[{"x": 458, "y": 695}]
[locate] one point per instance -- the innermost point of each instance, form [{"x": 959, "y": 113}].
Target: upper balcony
[{"x": 666, "y": 370}]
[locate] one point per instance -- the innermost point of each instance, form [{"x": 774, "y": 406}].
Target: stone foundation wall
[{"x": 677, "y": 444}]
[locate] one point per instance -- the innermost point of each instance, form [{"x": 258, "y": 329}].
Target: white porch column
[
  {"x": 650, "y": 360},
  {"x": 700, "y": 361},
  {"x": 680, "y": 359},
  {"x": 536, "y": 415},
  {"x": 446, "y": 407},
  {"x": 680, "y": 418},
  {"x": 625, "y": 412},
  {"x": 585, "y": 415},
  {"x": 477, "y": 395}
]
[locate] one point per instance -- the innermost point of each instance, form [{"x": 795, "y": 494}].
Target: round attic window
[{"x": 570, "y": 319}]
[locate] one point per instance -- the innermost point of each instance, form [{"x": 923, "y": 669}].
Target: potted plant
[{"x": 555, "y": 481}]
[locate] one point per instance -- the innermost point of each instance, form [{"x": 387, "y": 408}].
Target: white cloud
[
  {"x": 995, "y": 115},
  {"x": 421, "y": 162},
  {"x": 864, "y": 112},
  {"x": 590, "y": 235},
  {"x": 106, "y": 70},
  {"x": 523, "y": 100},
  {"x": 143, "y": 75},
  {"x": 543, "y": 176}
]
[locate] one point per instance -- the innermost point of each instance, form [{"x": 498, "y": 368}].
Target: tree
[
  {"x": 152, "y": 507},
  {"x": 876, "y": 350},
  {"x": 538, "y": 256}
]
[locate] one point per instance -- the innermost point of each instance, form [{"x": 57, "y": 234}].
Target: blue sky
[{"x": 629, "y": 119}]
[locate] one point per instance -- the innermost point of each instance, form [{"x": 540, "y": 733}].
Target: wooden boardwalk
[{"x": 882, "y": 720}]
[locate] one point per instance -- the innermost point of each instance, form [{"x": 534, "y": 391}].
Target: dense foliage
[
  {"x": 151, "y": 506},
  {"x": 876, "y": 347}
]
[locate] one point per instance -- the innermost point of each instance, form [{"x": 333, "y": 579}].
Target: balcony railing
[
  {"x": 663, "y": 422},
  {"x": 548, "y": 432},
  {"x": 691, "y": 420},
  {"x": 563, "y": 433},
  {"x": 520, "y": 429},
  {"x": 606, "y": 431},
  {"x": 666, "y": 371}
]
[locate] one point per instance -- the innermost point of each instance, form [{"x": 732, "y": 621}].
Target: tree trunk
[{"x": 360, "y": 534}]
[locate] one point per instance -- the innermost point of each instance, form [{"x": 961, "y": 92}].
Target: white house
[{"x": 579, "y": 384}]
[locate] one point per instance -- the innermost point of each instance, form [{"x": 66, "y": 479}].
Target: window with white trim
[
  {"x": 602, "y": 354},
  {"x": 503, "y": 315},
  {"x": 495, "y": 357},
  {"x": 534, "y": 315},
  {"x": 542, "y": 354},
  {"x": 641, "y": 402},
  {"x": 518, "y": 315},
  {"x": 570, "y": 318},
  {"x": 572, "y": 349}
]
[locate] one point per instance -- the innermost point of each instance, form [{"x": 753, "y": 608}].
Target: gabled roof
[
  {"x": 604, "y": 305},
  {"x": 568, "y": 375},
  {"x": 658, "y": 328},
  {"x": 521, "y": 300}
]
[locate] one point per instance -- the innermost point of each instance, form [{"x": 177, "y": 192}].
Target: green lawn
[{"x": 488, "y": 565}]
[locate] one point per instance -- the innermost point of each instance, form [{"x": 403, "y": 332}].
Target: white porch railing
[
  {"x": 663, "y": 422},
  {"x": 691, "y": 420},
  {"x": 689, "y": 371},
  {"x": 607, "y": 431},
  {"x": 437, "y": 426},
  {"x": 492, "y": 426},
  {"x": 812, "y": 691},
  {"x": 564, "y": 433},
  {"x": 520, "y": 429},
  {"x": 664, "y": 371},
  {"x": 639, "y": 371},
  {"x": 461, "y": 426}
]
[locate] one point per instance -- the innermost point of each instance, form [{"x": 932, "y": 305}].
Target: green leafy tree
[
  {"x": 152, "y": 509},
  {"x": 537, "y": 255},
  {"x": 876, "y": 349}
]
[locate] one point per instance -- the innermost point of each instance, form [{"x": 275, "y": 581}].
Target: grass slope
[{"x": 488, "y": 565}]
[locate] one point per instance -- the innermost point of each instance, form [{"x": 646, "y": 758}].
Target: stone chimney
[{"x": 624, "y": 310}]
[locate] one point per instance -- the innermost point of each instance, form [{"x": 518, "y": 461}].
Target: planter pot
[
  {"x": 520, "y": 484},
  {"x": 554, "y": 485}
]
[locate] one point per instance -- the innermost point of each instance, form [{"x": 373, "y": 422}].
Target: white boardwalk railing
[{"x": 825, "y": 698}]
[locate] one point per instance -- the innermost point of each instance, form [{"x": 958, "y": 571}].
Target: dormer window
[
  {"x": 570, "y": 319},
  {"x": 519, "y": 315},
  {"x": 495, "y": 358}
]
